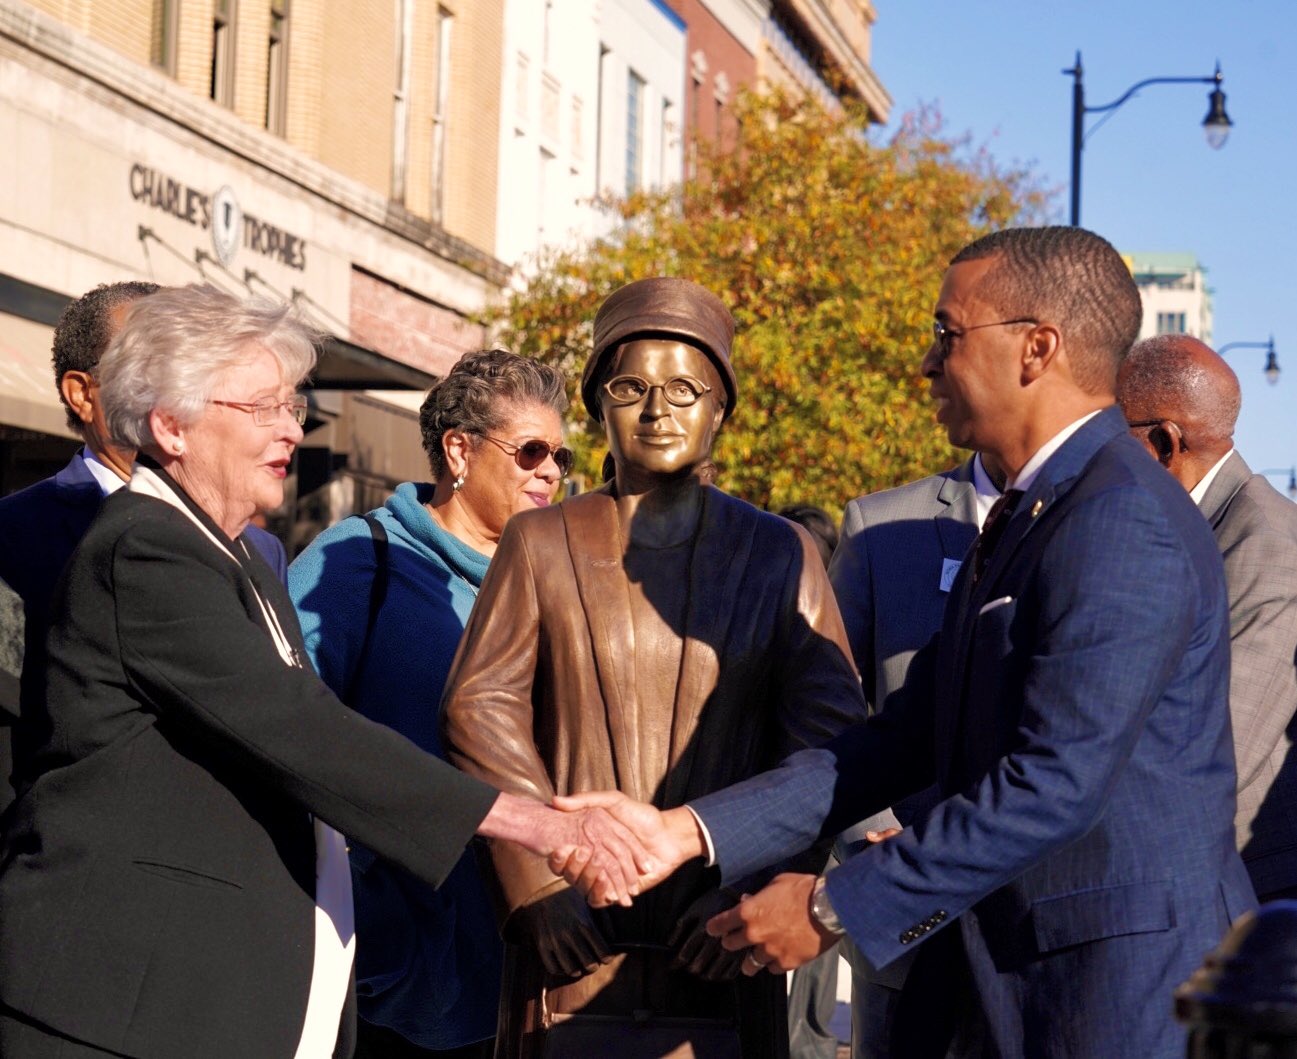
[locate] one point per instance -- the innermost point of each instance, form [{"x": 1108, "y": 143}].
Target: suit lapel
[
  {"x": 959, "y": 496},
  {"x": 1232, "y": 476},
  {"x": 724, "y": 544},
  {"x": 1055, "y": 479},
  {"x": 594, "y": 543}
]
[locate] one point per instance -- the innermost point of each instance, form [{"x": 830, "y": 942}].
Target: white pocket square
[{"x": 993, "y": 604}]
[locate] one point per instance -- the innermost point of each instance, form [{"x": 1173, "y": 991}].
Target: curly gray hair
[
  {"x": 475, "y": 394},
  {"x": 176, "y": 344}
]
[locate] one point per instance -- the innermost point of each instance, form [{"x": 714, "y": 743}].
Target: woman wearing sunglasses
[{"x": 428, "y": 962}]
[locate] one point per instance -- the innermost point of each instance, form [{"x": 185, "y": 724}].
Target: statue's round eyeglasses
[{"x": 680, "y": 392}]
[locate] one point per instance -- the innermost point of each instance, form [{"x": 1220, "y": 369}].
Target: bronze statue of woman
[{"x": 662, "y": 638}]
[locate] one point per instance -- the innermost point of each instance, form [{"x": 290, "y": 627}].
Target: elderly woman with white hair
[{"x": 172, "y": 878}]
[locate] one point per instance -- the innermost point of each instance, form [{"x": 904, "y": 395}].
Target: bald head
[{"x": 1189, "y": 397}]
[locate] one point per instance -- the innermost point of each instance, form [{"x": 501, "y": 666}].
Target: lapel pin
[{"x": 1037, "y": 507}]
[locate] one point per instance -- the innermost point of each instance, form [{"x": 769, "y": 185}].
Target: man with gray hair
[{"x": 1182, "y": 401}]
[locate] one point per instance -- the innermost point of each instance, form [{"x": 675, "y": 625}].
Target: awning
[
  {"x": 28, "y": 399},
  {"x": 344, "y": 365}
]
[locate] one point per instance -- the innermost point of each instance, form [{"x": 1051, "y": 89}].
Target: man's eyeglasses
[
  {"x": 944, "y": 336},
  {"x": 531, "y": 454},
  {"x": 266, "y": 411},
  {"x": 1174, "y": 430},
  {"x": 680, "y": 392}
]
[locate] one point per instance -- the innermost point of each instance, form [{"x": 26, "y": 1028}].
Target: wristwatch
[{"x": 822, "y": 909}]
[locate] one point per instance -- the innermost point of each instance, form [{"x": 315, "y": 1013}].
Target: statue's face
[{"x": 665, "y": 408}]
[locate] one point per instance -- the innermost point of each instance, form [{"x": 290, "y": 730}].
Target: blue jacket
[
  {"x": 427, "y": 962},
  {"x": 1079, "y": 732}
]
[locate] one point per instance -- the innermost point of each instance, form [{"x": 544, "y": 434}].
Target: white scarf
[{"x": 335, "y": 932}]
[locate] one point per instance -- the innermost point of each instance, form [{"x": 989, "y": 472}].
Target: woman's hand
[
  {"x": 670, "y": 838},
  {"x": 607, "y": 860}
]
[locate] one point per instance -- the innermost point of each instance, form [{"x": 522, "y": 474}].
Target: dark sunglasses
[{"x": 531, "y": 454}]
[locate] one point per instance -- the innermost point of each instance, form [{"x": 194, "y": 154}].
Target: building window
[
  {"x": 277, "y": 68},
  {"x": 668, "y": 125},
  {"x": 578, "y": 140},
  {"x": 162, "y": 36},
  {"x": 440, "y": 114},
  {"x": 545, "y": 33},
  {"x": 720, "y": 97},
  {"x": 544, "y": 175},
  {"x": 222, "y": 82},
  {"x": 691, "y": 164},
  {"x": 635, "y": 92},
  {"x": 1170, "y": 323},
  {"x": 522, "y": 92},
  {"x": 598, "y": 122}
]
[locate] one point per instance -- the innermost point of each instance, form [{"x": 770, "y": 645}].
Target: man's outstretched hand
[
  {"x": 669, "y": 838},
  {"x": 775, "y": 925}
]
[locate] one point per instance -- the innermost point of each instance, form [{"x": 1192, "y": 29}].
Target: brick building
[{"x": 342, "y": 154}]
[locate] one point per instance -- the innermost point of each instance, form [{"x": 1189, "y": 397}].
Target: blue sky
[{"x": 1149, "y": 180}]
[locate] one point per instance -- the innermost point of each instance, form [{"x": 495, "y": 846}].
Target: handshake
[{"x": 613, "y": 848}]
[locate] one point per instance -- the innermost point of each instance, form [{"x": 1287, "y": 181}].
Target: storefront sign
[{"x": 220, "y": 214}]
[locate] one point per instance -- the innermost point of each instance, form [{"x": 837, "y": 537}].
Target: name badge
[{"x": 949, "y": 568}]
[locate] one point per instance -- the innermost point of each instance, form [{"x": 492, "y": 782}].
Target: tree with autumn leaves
[{"x": 829, "y": 251}]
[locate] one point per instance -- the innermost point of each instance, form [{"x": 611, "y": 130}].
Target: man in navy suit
[
  {"x": 1082, "y": 859},
  {"x": 41, "y": 526}
]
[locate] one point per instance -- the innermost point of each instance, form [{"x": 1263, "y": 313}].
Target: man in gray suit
[
  {"x": 1182, "y": 401},
  {"x": 892, "y": 571}
]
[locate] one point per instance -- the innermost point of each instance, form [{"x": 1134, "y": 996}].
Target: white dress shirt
[
  {"x": 1031, "y": 469},
  {"x": 986, "y": 492},
  {"x": 109, "y": 480},
  {"x": 1200, "y": 490}
]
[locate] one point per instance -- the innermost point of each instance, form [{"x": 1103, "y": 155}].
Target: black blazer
[
  {"x": 40, "y": 528},
  {"x": 157, "y": 877}
]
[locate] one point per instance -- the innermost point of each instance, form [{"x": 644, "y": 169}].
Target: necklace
[{"x": 435, "y": 515}]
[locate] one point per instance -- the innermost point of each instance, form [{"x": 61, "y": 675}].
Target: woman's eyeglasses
[
  {"x": 531, "y": 454},
  {"x": 266, "y": 411}
]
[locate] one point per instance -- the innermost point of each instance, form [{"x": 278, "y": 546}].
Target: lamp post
[
  {"x": 1291, "y": 472},
  {"x": 1216, "y": 124},
  {"x": 1271, "y": 368}
]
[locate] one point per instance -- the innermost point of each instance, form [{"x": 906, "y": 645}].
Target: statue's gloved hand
[
  {"x": 698, "y": 952},
  {"x": 561, "y": 930}
]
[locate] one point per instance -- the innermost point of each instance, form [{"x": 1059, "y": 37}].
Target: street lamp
[
  {"x": 1271, "y": 368},
  {"x": 1215, "y": 125},
  {"x": 1291, "y": 472}
]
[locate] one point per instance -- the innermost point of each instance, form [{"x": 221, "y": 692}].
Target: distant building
[
  {"x": 591, "y": 101},
  {"x": 1173, "y": 288},
  {"x": 607, "y": 97}
]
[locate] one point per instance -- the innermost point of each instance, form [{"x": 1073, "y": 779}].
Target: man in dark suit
[
  {"x": 1078, "y": 728},
  {"x": 41, "y": 526},
  {"x": 1182, "y": 401},
  {"x": 892, "y": 574}
]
